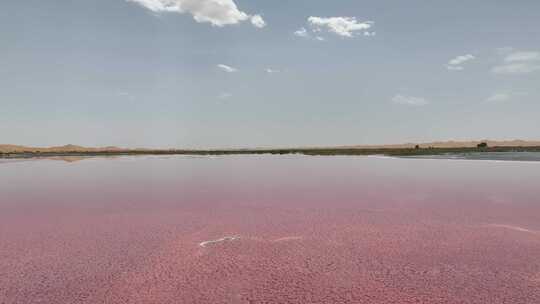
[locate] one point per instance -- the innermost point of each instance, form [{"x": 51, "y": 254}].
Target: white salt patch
[
  {"x": 223, "y": 239},
  {"x": 288, "y": 238},
  {"x": 516, "y": 228}
]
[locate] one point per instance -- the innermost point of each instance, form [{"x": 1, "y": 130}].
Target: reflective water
[{"x": 269, "y": 229}]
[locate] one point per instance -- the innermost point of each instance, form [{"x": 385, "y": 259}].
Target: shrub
[{"x": 482, "y": 145}]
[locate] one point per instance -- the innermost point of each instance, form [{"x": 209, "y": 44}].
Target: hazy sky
[{"x": 227, "y": 73}]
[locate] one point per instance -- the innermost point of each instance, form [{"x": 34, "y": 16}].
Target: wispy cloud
[
  {"x": 224, "y": 95},
  {"x": 301, "y": 32},
  {"x": 456, "y": 64},
  {"x": 227, "y": 68},
  {"x": 504, "y": 96},
  {"x": 498, "y": 97},
  {"x": 271, "y": 71},
  {"x": 518, "y": 63},
  {"x": 410, "y": 100},
  {"x": 517, "y": 68},
  {"x": 125, "y": 95},
  {"x": 504, "y": 50},
  {"x": 522, "y": 56},
  {"x": 216, "y": 12}
]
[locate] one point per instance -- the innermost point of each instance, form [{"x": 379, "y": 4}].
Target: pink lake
[{"x": 269, "y": 229}]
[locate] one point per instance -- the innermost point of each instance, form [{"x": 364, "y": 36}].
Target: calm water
[
  {"x": 500, "y": 156},
  {"x": 269, "y": 229}
]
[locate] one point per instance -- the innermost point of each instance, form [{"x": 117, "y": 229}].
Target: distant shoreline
[{"x": 304, "y": 151}]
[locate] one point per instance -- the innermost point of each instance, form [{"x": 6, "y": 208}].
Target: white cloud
[
  {"x": 522, "y": 56},
  {"x": 498, "y": 97},
  {"x": 410, "y": 100},
  {"x": 320, "y": 38},
  {"x": 342, "y": 26},
  {"x": 258, "y": 21},
  {"x": 518, "y": 63},
  {"x": 302, "y": 32},
  {"x": 159, "y": 5},
  {"x": 516, "y": 68},
  {"x": 227, "y": 68},
  {"x": 216, "y": 12},
  {"x": 456, "y": 63},
  {"x": 461, "y": 59},
  {"x": 271, "y": 71}
]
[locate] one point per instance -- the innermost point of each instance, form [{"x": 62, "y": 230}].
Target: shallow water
[{"x": 275, "y": 229}]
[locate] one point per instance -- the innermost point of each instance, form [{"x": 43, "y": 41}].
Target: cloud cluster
[
  {"x": 216, "y": 12},
  {"x": 225, "y": 12},
  {"x": 518, "y": 63},
  {"x": 456, "y": 64},
  {"x": 341, "y": 26},
  {"x": 410, "y": 100}
]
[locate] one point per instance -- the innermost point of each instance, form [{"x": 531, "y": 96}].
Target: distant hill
[{"x": 66, "y": 148}]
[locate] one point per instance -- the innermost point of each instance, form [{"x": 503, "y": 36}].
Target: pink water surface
[{"x": 269, "y": 229}]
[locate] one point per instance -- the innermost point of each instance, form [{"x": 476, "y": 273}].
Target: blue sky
[{"x": 224, "y": 73}]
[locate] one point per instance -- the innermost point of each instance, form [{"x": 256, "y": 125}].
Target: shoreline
[{"x": 303, "y": 151}]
